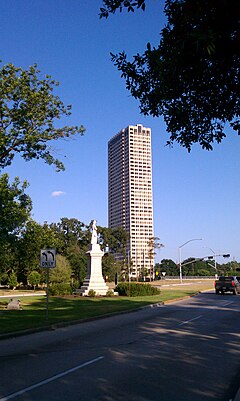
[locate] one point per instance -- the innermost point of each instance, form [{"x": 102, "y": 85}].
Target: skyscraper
[{"x": 130, "y": 203}]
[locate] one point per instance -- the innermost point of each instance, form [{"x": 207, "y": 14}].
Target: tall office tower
[{"x": 130, "y": 203}]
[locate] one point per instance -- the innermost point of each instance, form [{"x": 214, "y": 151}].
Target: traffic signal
[{"x": 227, "y": 255}]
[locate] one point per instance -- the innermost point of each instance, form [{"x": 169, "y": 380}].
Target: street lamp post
[{"x": 180, "y": 255}]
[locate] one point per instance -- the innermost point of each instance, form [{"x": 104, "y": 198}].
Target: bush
[
  {"x": 136, "y": 289},
  {"x": 60, "y": 289},
  {"x": 91, "y": 293},
  {"x": 109, "y": 293}
]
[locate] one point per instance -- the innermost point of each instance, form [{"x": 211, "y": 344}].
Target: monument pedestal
[{"x": 94, "y": 280}]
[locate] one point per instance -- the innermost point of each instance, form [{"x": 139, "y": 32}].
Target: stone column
[{"x": 94, "y": 280}]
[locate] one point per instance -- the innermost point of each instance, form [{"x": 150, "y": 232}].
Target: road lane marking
[
  {"x": 188, "y": 321},
  {"x": 50, "y": 379},
  {"x": 227, "y": 303}
]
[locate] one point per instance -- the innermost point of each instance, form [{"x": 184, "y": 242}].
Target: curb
[{"x": 56, "y": 326}]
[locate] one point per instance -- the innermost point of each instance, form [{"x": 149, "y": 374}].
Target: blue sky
[{"x": 196, "y": 195}]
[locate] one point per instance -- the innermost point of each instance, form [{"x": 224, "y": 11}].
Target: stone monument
[
  {"x": 14, "y": 304},
  {"x": 94, "y": 280}
]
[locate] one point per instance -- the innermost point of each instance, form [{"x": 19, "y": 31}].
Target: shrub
[
  {"x": 60, "y": 289},
  {"x": 109, "y": 293},
  {"x": 136, "y": 289},
  {"x": 91, "y": 293}
]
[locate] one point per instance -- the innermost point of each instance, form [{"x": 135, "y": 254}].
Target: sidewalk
[{"x": 12, "y": 295}]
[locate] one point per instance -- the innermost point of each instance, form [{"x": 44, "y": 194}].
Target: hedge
[
  {"x": 60, "y": 289},
  {"x": 136, "y": 289}
]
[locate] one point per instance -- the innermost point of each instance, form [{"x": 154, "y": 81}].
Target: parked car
[{"x": 227, "y": 284}]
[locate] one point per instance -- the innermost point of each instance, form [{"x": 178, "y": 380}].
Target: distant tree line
[{"x": 193, "y": 267}]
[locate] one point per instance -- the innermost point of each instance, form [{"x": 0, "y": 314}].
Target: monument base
[{"x": 94, "y": 280}]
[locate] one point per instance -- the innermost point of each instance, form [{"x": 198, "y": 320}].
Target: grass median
[{"x": 70, "y": 309}]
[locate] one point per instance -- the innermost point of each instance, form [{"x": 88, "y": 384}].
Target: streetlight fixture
[{"x": 180, "y": 254}]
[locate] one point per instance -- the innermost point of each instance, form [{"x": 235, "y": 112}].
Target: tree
[
  {"x": 12, "y": 281},
  {"x": 118, "y": 240},
  {"x": 28, "y": 114},
  {"x": 71, "y": 233},
  {"x": 78, "y": 262},
  {"x": 15, "y": 207},
  {"x": 192, "y": 77},
  {"x": 33, "y": 238},
  {"x": 153, "y": 245},
  {"x": 62, "y": 272},
  {"x": 168, "y": 266},
  {"x": 112, "y": 5},
  {"x": 110, "y": 267},
  {"x": 34, "y": 278}
]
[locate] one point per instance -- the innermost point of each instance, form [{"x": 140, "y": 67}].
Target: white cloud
[{"x": 54, "y": 194}]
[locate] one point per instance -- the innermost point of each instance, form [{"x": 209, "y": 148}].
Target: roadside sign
[{"x": 48, "y": 258}]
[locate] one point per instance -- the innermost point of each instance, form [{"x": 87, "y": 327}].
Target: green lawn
[{"x": 68, "y": 309}]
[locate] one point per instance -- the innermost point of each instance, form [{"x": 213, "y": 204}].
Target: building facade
[{"x": 130, "y": 200}]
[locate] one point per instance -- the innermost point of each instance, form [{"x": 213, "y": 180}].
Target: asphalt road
[{"x": 184, "y": 351}]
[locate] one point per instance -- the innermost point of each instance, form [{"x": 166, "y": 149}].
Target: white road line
[
  {"x": 188, "y": 321},
  {"x": 42, "y": 383},
  {"x": 227, "y": 303}
]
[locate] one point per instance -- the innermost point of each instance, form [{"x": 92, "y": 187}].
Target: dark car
[{"x": 227, "y": 284}]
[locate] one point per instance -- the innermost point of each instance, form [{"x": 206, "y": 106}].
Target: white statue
[{"x": 94, "y": 232}]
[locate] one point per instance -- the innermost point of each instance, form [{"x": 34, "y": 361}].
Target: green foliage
[
  {"x": 73, "y": 241},
  {"x": 34, "y": 278},
  {"x": 110, "y": 267},
  {"x": 62, "y": 272},
  {"x": 110, "y": 6},
  {"x": 153, "y": 245},
  {"x": 91, "y": 293},
  {"x": 78, "y": 262},
  {"x": 136, "y": 289},
  {"x": 71, "y": 232},
  {"x": 3, "y": 278},
  {"x": 15, "y": 207},
  {"x": 60, "y": 289},
  {"x": 109, "y": 293},
  {"x": 70, "y": 237},
  {"x": 143, "y": 273},
  {"x": 28, "y": 113},
  {"x": 192, "y": 77},
  {"x": 118, "y": 240},
  {"x": 195, "y": 267},
  {"x": 12, "y": 280},
  {"x": 33, "y": 238},
  {"x": 168, "y": 266},
  {"x": 203, "y": 272}
]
